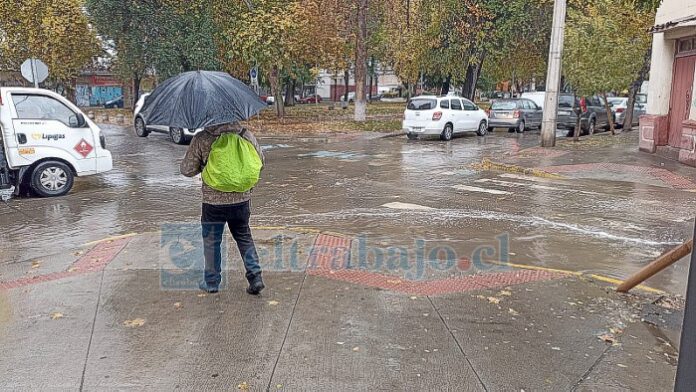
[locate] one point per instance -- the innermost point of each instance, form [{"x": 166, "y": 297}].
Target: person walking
[{"x": 229, "y": 158}]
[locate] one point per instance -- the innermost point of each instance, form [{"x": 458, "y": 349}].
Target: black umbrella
[{"x": 201, "y": 99}]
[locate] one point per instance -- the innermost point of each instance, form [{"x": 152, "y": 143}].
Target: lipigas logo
[{"x": 47, "y": 136}]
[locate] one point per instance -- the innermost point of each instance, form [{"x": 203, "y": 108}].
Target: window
[
  {"x": 421, "y": 104},
  {"x": 41, "y": 107},
  {"x": 468, "y": 105},
  {"x": 444, "y": 104},
  {"x": 456, "y": 104},
  {"x": 566, "y": 101},
  {"x": 504, "y": 105}
]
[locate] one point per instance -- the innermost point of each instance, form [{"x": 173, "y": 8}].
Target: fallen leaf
[
  {"x": 35, "y": 264},
  {"x": 607, "y": 338},
  {"x": 494, "y": 300},
  {"x": 177, "y": 304},
  {"x": 505, "y": 293},
  {"x": 513, "y": 312},
  {"x": 279, "y": 386},
  {"x": 134, "y": 323},
  {"x": 200, "y": 295},
  {"x": 414, "y": 297},
  {"x": 56, "y": 315},
  {"x": 72, "y": 269},
  {"x": 356, "y": 348},
  {"x": 273, "y": 303},
  {"x": 556, "y": 348},
  {"x": 621, "y": 365},
  {"x": 243, "y": 386}
]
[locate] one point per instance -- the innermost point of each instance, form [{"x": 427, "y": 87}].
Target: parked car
[
  {"x": 114, "y": 103},
  {"x": 593, "y": 114},
  {"x": 516, "y": 114},
  {"x": 537, "y": 96},
  {"x": 619, "y": 106},
  {"x": 351, "y": 97},
  {"x": 143, "y": 129},
  {"x": 443, "y": 117},
  {"x": 311, "y": 99}
]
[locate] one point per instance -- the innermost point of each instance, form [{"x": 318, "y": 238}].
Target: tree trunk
[
  {"x": 578, "y": 114},
  {"x": 136, "y": 90},
  {"x": 634, "y": 88},
  {"x": 372, "y": 76},
  {"x": 610, "y": 115},
  {"x": 276, "y": 92},
  {"x": 473, "y": 71},
  {"x": 361, "y": 63},
  {"x": 346, "y": 81},
  {"x": 290, "y": 93},
  {"x": 446, "y": 85}
]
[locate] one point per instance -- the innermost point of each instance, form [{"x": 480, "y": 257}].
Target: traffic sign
[
  {"x": 254, "y": 74},
  {"x": 35, "y": 71}
]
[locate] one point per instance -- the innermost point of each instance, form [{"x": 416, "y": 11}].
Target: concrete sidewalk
[{"x": 105, "y": 317}]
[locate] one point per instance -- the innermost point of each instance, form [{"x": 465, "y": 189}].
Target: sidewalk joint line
[
  {"x": 91, "y": 335},
  {"x": 287, "y": 331},
  {"x": 592, "y": 367},
  {"x": 461, "y": 349}
]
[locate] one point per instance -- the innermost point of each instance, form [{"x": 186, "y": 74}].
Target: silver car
[
  {"x": 517, "y": 114},
  {"x": 620, "y": 105},
  {"x": 142, "y": 129}
]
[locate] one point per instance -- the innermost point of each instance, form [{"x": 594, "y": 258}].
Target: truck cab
[{"x": 45, "y": 142}]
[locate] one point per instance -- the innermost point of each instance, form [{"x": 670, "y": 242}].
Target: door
[
  {"x": 458, "y": 118},
  {"x": 680, "y": 99},
  {"x": 471, "y": 118},
  {"x": 47, "y": 128}
]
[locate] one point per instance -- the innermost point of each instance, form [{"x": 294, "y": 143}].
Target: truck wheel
[
  {"x": 412, "y": 136},
  {"x": 177, "y": 135},
  {"x": 140, "y": 128},
  {"x": 52, "y": 178}
]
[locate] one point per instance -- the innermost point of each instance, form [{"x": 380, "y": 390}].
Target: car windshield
[
  {"x": 565, "y": 101},
  {"x": 422, "y": 104},
  {"x": 641, "y": 98},
  {"x": 504, "y": 105},
  {"x": 616, "y": 101}
]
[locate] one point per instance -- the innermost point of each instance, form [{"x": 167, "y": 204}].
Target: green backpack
[{"x": 233, "y": 165}]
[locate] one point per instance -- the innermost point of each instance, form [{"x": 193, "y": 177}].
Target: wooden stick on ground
[{"x": 656, "y": 266}]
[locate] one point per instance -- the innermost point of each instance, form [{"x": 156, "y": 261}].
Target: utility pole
[{"x": 553, "y": 75}]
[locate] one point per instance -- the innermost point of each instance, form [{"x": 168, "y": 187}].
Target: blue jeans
[{"x": 213, "y": 220}]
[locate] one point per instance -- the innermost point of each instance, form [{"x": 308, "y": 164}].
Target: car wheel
[
  {"x": 177, "y": 135},
  {"x": 521, "y": 127},
  {"x": 482, "y": 129},
  {"x": 140, "y": 128},
  {"x": 51, "y": 179},
  {"x": 412, "y": 136},
  {"x": 591, "y": 127},
  {"x": 446, "y": 134}
]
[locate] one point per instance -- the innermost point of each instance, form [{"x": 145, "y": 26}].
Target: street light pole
[{"x": 553, "y": 75}]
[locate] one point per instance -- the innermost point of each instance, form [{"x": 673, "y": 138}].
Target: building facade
[{"x": 669, "y": 127}]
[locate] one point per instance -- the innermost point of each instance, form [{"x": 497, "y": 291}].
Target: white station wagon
[{"x": 444, "y": 117}]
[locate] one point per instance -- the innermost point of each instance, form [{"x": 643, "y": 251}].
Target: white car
[
  {"x": 142, "y": 129},
  {"x": 443, "y": 117}
]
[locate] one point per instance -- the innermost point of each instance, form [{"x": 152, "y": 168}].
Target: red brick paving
[
  {"x": 96, "y": 259},
  {"x": 666, "y": 176},
  {"x": 330, "y": 255}
]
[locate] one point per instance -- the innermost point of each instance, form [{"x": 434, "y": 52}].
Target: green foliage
[
  {"x": 56, "y": 32},
  {"x": 605, "y": 43}
]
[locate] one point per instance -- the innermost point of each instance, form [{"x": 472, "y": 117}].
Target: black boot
[{"x": 255, "y": 285}]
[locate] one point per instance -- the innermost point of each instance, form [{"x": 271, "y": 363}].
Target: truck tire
[{"x": 51, "y": 179}]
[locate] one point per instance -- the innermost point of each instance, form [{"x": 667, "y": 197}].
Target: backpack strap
[{"x": 241, "y": 134}]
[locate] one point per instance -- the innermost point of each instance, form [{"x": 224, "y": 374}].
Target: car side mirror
[{"x": 77, "y": 121}]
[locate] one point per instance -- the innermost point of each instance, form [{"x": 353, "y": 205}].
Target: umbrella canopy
[{"x": 200, "y": 99}]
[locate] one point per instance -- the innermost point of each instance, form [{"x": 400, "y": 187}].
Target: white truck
[{"x": 45, "y": 141}]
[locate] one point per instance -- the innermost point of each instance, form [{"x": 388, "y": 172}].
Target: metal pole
[
  {"x": 34, "y": 72},
  {"x": 553, "y": 75},
  {"x": 686, "y": 368}
]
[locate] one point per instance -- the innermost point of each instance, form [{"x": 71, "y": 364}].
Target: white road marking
[
  {"x": 406, "y": 206},
  {"x": 522, "y": 177},
  {"x": 535, "y": 186},
  {"x": 482, "y": 190}
]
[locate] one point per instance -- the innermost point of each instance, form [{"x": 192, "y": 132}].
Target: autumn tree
[
  {"x": 605, "y": 45},
  {"x": 56, "y": 32}
]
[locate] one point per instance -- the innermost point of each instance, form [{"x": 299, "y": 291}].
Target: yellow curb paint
[
  {"x": 533, "y": 267},
  {"x": 600, "y": 278},
  {"x": 118, "y": 237},
  {"x": 488, "y": 165},
  {"x": 619, "y": 281}
]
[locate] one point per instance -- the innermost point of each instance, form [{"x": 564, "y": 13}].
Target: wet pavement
[
  {"x": 391, "y": 192},
  {"x": 390, "y": 265}
]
